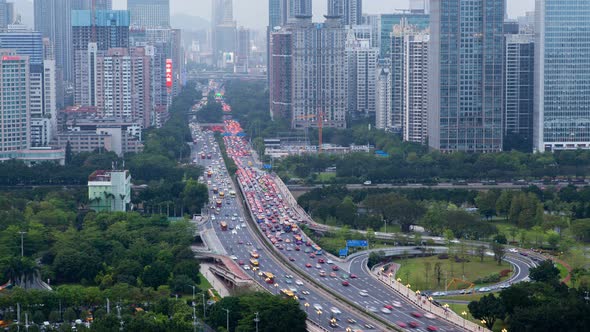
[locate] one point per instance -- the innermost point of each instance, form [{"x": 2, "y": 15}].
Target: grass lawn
[
  {"x": 326, "y": 177},
  {"x": 413, "y": 271}
]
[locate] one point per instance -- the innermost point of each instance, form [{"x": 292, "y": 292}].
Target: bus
[
  {"x": 221, "y": 194},
  {"x": 316, "y": 249},
  {"x": 287, "y": 292},
  {"x": 232, "y": 194},
  {"x": 253, "y": 262},
  {"x": 223, "y": 225},
  {"x": 254, "y": 254},
  {"x": 269, "y": 277}
]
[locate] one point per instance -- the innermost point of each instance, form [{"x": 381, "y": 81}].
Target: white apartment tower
[
  {"x": 383, "y": 90},
  {"x": 362, "y": 64}
]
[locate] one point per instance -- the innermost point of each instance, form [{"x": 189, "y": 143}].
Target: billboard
[
  {"x": 168, "y": 73},
  {"x": 357, "y": 243},
  {"x": 343, "y": 252}
]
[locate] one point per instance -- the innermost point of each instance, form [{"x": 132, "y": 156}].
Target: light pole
[
  {"x": 504, "y": 330},
  {"x": 417, "y": 296},
  {"x": 399, "y": 282},
  {"x": 204, "y": 313},
  {"x": 464, "y": 314},
  {"x": 193, "y": 287},
  {"x": 227, "y": 317},
  {"x": 430, "y": 299},
  {"x": 256, "y": 320},
  {"x": 409, "y": 287},
  {"x": 277, "y": 288},
  {"x": 22, "y": 247}
]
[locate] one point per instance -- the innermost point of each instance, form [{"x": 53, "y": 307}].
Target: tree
[
  {"x": 545, "y": 272},
  {"x": 486, "y": 203},
  {"x": 370, "y": 236},
  {"x": 438, "y": 272},
  {"x": 481, "y": 252},
  {"x": 500, "y": 238},
  {"x": 553, "y": 239},
  {"x": 488, "y": 308},
  {"x": 499, "y": 252},
  {"x": 155, "y": 274},
  {"x": 427, "y": 268},
  {"x": 194, "y": 196},
  {"x": 503, "y": 203}
]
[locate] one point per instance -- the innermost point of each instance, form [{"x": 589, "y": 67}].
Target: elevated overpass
[{"x": 223, "y": 76}]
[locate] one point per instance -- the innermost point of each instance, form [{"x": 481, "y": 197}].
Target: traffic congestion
[{"x": 227, "y": 219}]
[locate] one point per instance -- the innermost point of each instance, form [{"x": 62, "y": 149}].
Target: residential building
[
  {"x": 466, "y": 75},
  {"x": 280, "y": 69},
  {"x": 374, "y": 24},
  {"x": 362, "y": 64},
  {"x": 298, "y": 9},
  {"x": 242, "y": 56},
  {"x": 15, "y": 111},
  {"x": 562, "y": 75},
  {"x": 149, "y": 13},
  {"x": 109, "y": 190},
  {"x": 349, "y": 11},
  {"x": 277, "y": 13},
  {"x": 519, "y": 89},
  {"x": 419, "y": 6},
  {"x": 387, "y": 21},
  {"x": 383, "y": 98},
  {"x": 43, "y": 107},
  {"x": 319, "y": 74},
  {"x": 94, "y": 34},
  {"x": 409, "y": 58}
]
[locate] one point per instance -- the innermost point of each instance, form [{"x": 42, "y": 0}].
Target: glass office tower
[
  {"x": 562, "y": 75},
  {"x": 466, "y": 54}
]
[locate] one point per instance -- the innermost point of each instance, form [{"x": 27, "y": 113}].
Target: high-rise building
[
  {"x": 562, "y": 75},
  {"x": 298, "y": 9},
  {"x": 242, "y": 57},
  {"x": 15, "y": 109},
  {"x": 419, "y": 6},
  {"x": 24, "y": 41},
  {"x": 362, "y": 64},
  {"x": 387, "y": 21},
  {"x": 93, "y": 34},
  {"x": 149, "y": 13},
  {"x": 409, "y": 59},
  {"x": 280, "y": 68},
  {"x": 277, "y": 13},
  {"x": 319, "y": 74},
  {"x": 123, "y": 85},
  {"x": 109, "y": 190},
  {"x": 383, "y": 90},
  {"x": 43, "y": 97},
  {"x": 6, "y": 13},
  {"x": 519, "y": 89},
  {"x": 466, "y": 75},
  {"x": 223, "y": 34}
]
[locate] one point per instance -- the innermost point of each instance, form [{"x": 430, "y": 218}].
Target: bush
[
  {"x": 488, "y": 279},
  {"x": 443, "y": 256}
]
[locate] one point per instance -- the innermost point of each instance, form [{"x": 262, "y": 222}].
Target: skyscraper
[
  {"x": 6, "y": 13},
  {"x": 466, "y": 54},
  {"x": 277, "y": 13},
  {"x": 383, "y": 117},
  {"x": 562, "y": 75},
  {"x": 298, "y": 9},
  {"x": 14, "y": 102},
  {"x": 387, "y": 21},
  {"x": 242, "y": 57},
  {"x": 149, "y": 13},
  {"x": 280, "y": 71},
  {"x": 519, "y": 90},
  {"x": 362, "y": 63},
  {"x": 409, "y": 58},
  {"x": 110, "y": 30},
  {"x": 223, "y": 33},
  {"x": 24, "y": 42}
]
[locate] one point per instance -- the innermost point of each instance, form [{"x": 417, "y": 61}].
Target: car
[
  {"x": 299, "y": 282},
  {"x": 388, "y": 306},
  {"x": 312, "y": 255},
  {"x": 322, "y": 273},
  {"x": 318, "y": 266},
  {"x": 329, "y": 261},
  {"x": 345, "y": 283},
  {"x": 240, "y": 242},
  {"x": 432, "y": 328},
  {"x": 344, "y": 276},
  {"x": 416, "y": 314},
  {"x": 305, "y": 292},
  {"x": 321, "y": 260},
  {"x": 351, "y": 321},
  {"x": 413, "y": 324},
  {"x": 372, "y": 309},
  {"x": 307, "y": 265},
  {"x": 240, "y": 262},
  {"x": 363, "y": 293},
  {"x": 369, "y": 326},
  {"x": 397, "y": 304},
  {"x": 297, "y": 248},
  {"x": 335, "y": 268},
  {"x": 234, "y": 257},
  {"x": 246, "y": 267},
  {"x": 401, "y": 324},
  {"x": 317, "y": 306},
  {"x": 333, "y": 275},
  {"x": 429, "y": 315},
  {"x": 353, "y": 276},
  {"x": 243, "y": 225},
  {"x": 385, "y": 311}
]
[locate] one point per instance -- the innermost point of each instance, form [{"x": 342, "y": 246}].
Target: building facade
[
  {"x": 109, "y": 191},
  {"x": 466, "y": 75},
  {"x": 24, "y": 41},
  {"x": 562, "y": 75},
  {"x": 362, "y": 64},
  {"x": 15, "y": 113},
  {"x": 519, "y": 88},
  {"x": 42, "y": 96},
  {"x": 387, "y": 21},
  {"x": 280, "y": 74},
  {"x": 383, "y": 90},
  {"x": 6, "y": 13},
  {"x": 149, "y": 13},
  {"x": 409, "y": 59}
]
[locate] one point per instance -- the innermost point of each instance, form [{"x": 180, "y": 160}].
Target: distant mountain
[{"x": 188, "y": 22}]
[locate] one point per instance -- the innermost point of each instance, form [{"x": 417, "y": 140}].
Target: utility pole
[
  {"x": 204, "y": 312},
  {"x": 256, "y": 320},
  {"x": 22, "y": 247},
  {"x": 108, "y": 306},
  {"x": 194, "y": 318},
  {"x": 227, "y": 318}
]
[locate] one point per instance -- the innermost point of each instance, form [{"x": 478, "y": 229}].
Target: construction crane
[{"x": 320, "y": 118}]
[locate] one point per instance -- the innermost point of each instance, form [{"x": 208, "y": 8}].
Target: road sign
[
  {"x": 343, "y": 252},
  {"x": 267, "y": 166},
  {"x": 357, "y": 243}
]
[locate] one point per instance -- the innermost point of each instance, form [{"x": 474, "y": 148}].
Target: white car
[
  {"x": 238, "y": 227},
  {"x": 513, "y": 250},
  {"x": 329, "y": 261},
  {"x": 299, "y": 282},
  {"x": 363, "y": 293},
  {"x": 246, "y": 267},
  {"x": 243, "y": 224},
  {"x": 233, "y": 257},
  {"x": 212, "y": 217},
  {"x": 234, "y": 232},
  {"x": 385, "y": 311},
  {"x": 318, "y": 307}
]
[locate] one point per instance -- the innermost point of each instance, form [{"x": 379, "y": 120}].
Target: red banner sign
[{"x": 168, "y": 73}]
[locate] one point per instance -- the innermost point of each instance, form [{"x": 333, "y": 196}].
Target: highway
[
  {"x": 263, "y": 197},
  {"x": 239, "y": 241}
]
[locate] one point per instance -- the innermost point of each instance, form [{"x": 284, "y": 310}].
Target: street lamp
[
  {"x": 504, "y": 330},
  {"x": 348, "y": 329},
  {"x": 306, "y": 305},
  {"x": 483, "y": 322},
  {"x": 277, "y": 288},
  {"x": 464, "y": 314},
  {"x": 193, "y": 287},
  {"x": 408, "y": 286},
  {"x": 430, "y": 299},
  {"x": 227, "y": 317},
  {"x": 256, "y": 320}
]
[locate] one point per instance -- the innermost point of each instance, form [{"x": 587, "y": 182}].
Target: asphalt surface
[
  {"x": 377, "y": 295},
  {"x": 240, "y": 242}
]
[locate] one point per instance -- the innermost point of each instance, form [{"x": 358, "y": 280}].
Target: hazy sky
[{"x": 254, "y": 13}]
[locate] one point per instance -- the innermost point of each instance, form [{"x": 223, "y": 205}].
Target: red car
[
  {"x": 308, "y": 265},
  {"x": 240, "y": 262},
  {"x": 353, "y": 276},
  {"x": 416, "y": 314},
  {"x": 345, "y": 283},
  {"x": 321, "y": 260},
  {"x": 388, "y": 306},
  {"x": 432, "y": 328},
  {"x": 297, "y": 248},
  {"x": 413, "y": 324},
  {"x": 401, "y": 324},
  {"x": 312, "y": 255},
  {"x": 335, "y": 268}
]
